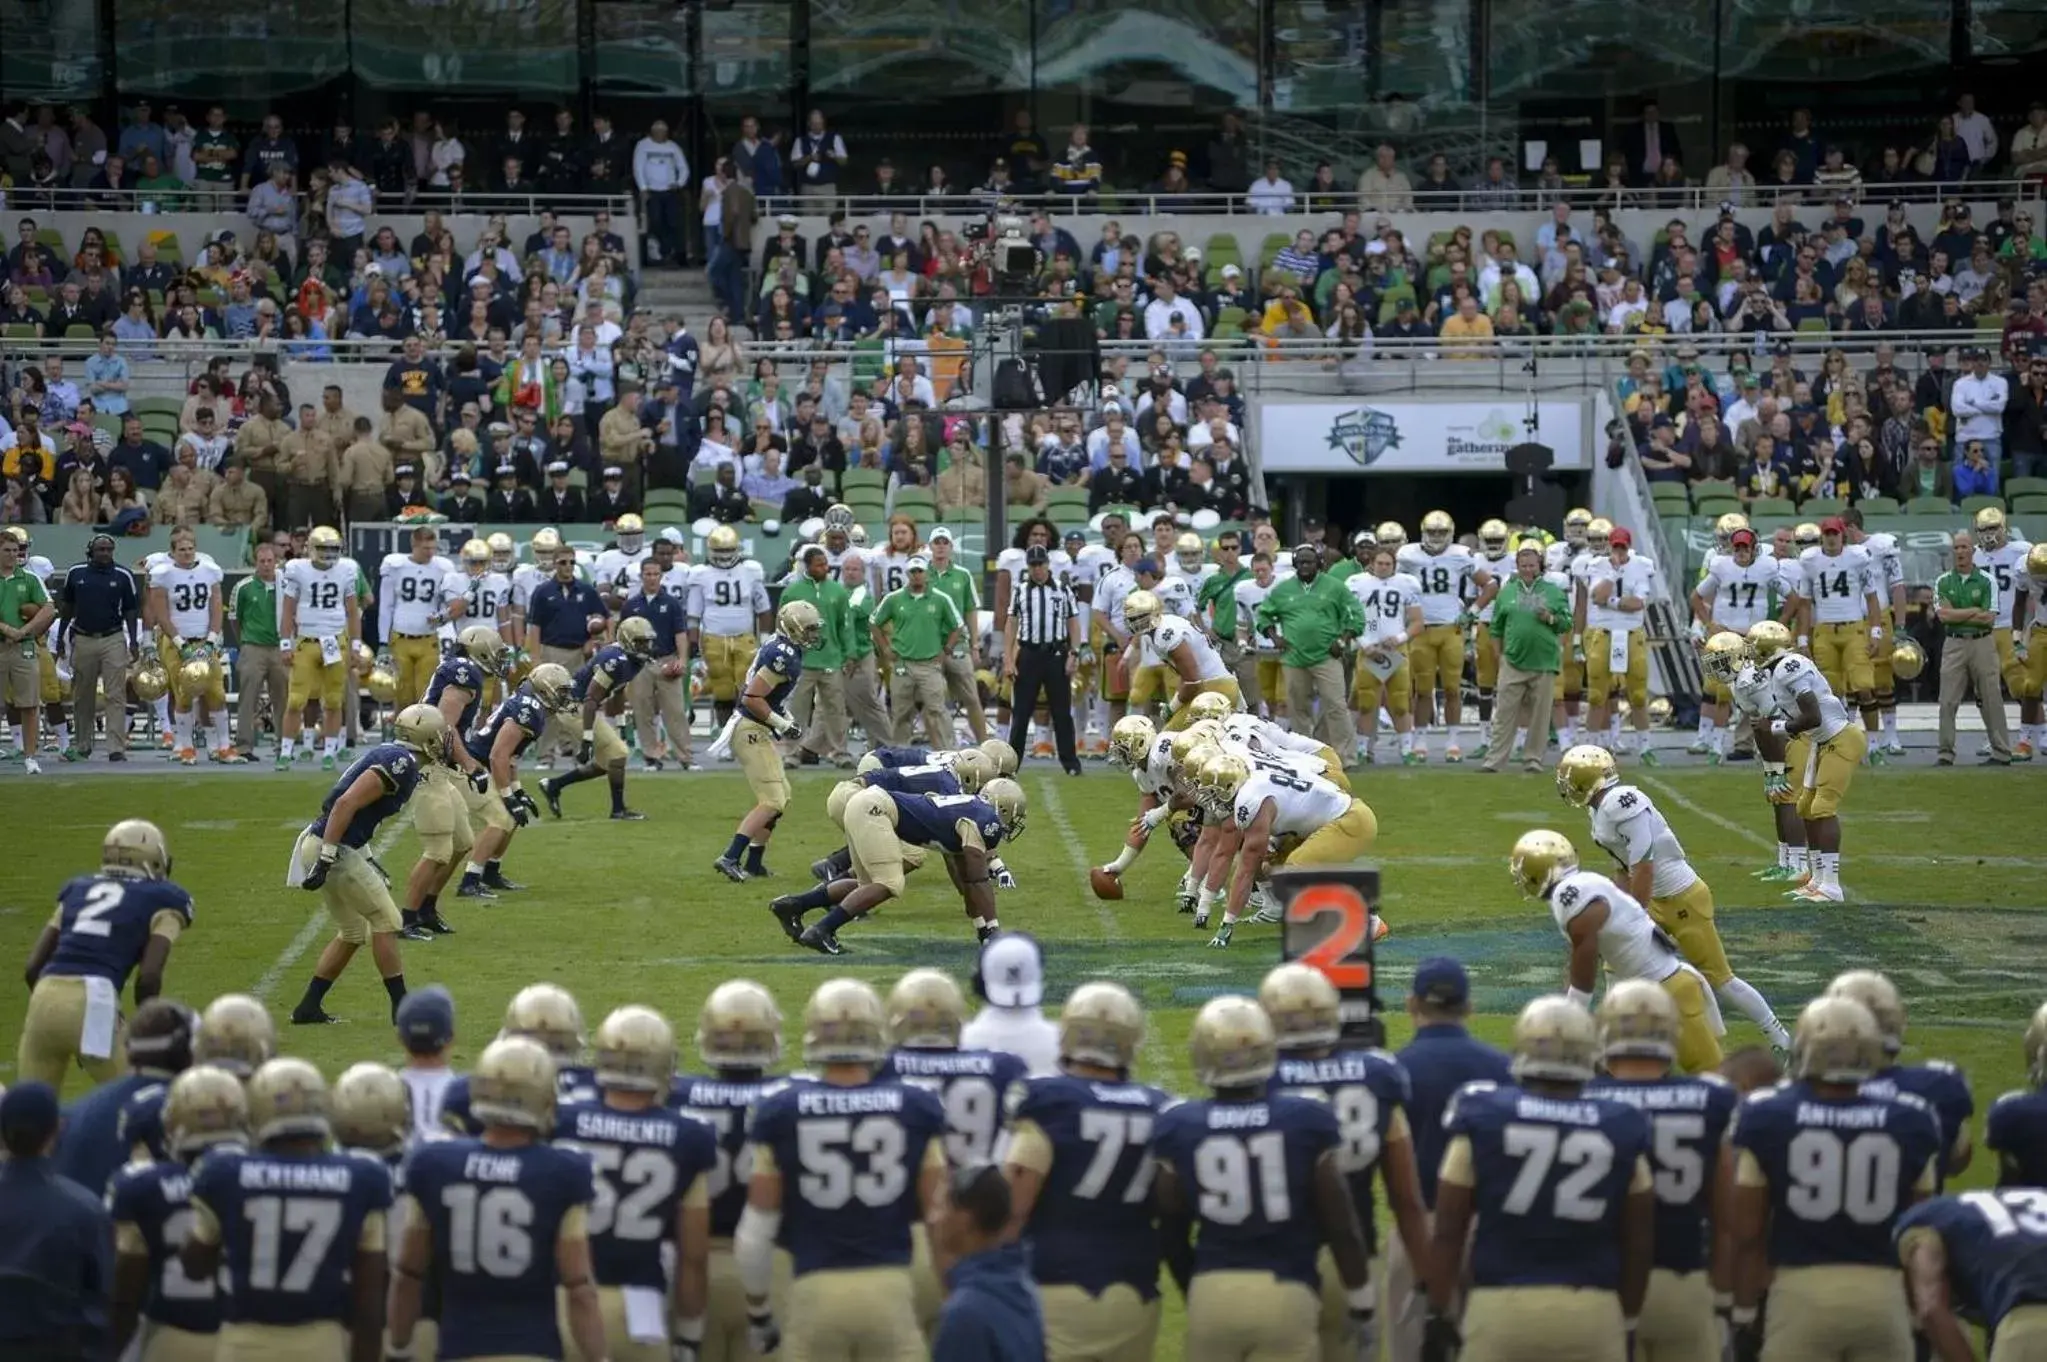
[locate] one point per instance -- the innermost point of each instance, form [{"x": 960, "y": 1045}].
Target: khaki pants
[
  {"x": 1838, "y": 1314},
  {"x": 1243, "y": 664},
  {"x": 366, "y": 504},
  {"x": 666, "y": 698},
  {"x": 94, "y": 660},
  {"x": 52, "y": 1031},
  {"x": 1967, "y": 663},
  {"x": 259, "y": 671},
  {"x": 855, "y": 1313},
  {"x": 564, "y": 731},
  {"x": 1251, "y": 1317},
  {"x": 965, "y": 691},
  {"x": 863, "y": 702},
  {"x": 819, "y": 704},
  {"x": 1544, "y": 1324},
  {"x": 920, "y": 686},
  {"x": 1520, "y": 700},
  {"x": 1324, "y": 682},
  {"x": 2022, "y": 1336}
]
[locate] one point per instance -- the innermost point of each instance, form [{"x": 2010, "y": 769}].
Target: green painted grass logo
[{"x": 1365, "y": 435}]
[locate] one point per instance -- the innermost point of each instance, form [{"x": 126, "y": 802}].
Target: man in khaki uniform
[
  {"x": 408, "y": 435},
  {"x": 25, "y": 613},
  {"x": 366, "y": 471},
  {"x": 622, "y": 441},
  {"x": 238, "y": 503},
  {"x": 1966, "y": 600},
  {"x": 187, "y": 495},
  {"x": 964, "y": 483},
  {"x": 312, "y": 471},
  {"x": 259, "y": 447},
  {"x": 334, "y": 420}
]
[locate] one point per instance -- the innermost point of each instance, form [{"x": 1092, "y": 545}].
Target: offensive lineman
[{"x": 1263, "y": 805}]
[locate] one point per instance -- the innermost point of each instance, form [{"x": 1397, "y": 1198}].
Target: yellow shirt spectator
[{"x": 1467, "y": 333}]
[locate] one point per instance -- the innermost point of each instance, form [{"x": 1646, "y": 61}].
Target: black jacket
[
  {"x": 1109, "y": 487},
  {"x": 469, "y": 508},
  {"x": 559, "y": 506},
  {"x": 726, "y": 505},
  {"x": 604, "y": 507},
  {"x": 509, "y": 508}
]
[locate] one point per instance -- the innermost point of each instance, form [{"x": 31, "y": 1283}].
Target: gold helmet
[
  {"x": 149, "y": 681},
  {"x": 1836, "y": 1041},
  {"x": 635, "y": 1051},
  {"x": 839, "y": 516},
  {"x": 504, "y": 552},
  {"x": 1908, "y": 659},
  {"x": 1990, "y": 528},
  {"x": 1880, "y": 996},
  {"x": 722, "y": 547},
  {"x": 372, "y": 1109},
  {"x": 1188, "y": 551},
  {"x": 631, "y": 532},
  {"x": 1539, "y": 859},
  {"x": 926, "y": 1011},
  {"x": 1001, "y": 753},
  {"x": 1598, "y": 533},
  {"x": 636, "y": 634},
  {"x": 1438, "y": 529},
  {"x": 1218, "y": 778},
  {"x": 1303, "y": 1005},
  {"x": 1726, "y": 654},
  {"x": 236, "y": 1034},
  {"x": 1766, "y": 639},
  {"x": 485, "y": 647},
  {"x": 323, "y": 546},
  {"x": 1102, "y": 1023},
  {"x": 1660, "y": 710},
  {"x": 1584, "y": 771},
  {"x": 1575, "y": 523},
  {"x": 548, "y": 1014},
  {"x": 1724, "y": 528},
  {"x": 1389, "y": 535},
  {"x": 841, "y": 795},
  {"x": 1555, "y": 1039},
  {"x": 799, "y": 622},
  {"x": 365, "y": 658},
  {"x": 136, "y": 846},
  {"x": 972, "y": 768},
  {"x": 2035, "y": 1043},
  {"x": 381, "y": 681},
  {"x": 1492, "y": 537},
  {"x": 1637, "y": 1019},
  {"x": 546, "y": 540},
  {"x": 1233, "y": 1043},
  {"x": 476, "y": 557},
  {"x": 1130, "y": 741},
  {"x": 205, "y": 1106},
  {"x": 1806, "y": 534},
  {"x": 2036, "y": 565},
  {"x": 288, "y": 1101},
  {"x": 424, "y": 729},
  {"x": 513, "y": 1084},
  {"x": 553, "y": 687},
  {"x": 1201, "y": 734},
  {"x": 195, "y": 673},
  {"x": 844, "y": 1023},
  {"x": 1210, "y": 705},
  {"x": 1007, "y": 797},
  {"x": 1140, "y": 612},
  {"x": 740, "y": 1027}
]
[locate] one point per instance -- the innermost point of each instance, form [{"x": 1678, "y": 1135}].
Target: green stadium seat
[
  {"x": 1269, "y": 249},
  {"x": 1773, "y": 506},
  {"x": 1815, "y": 507},
  {"x": 863, "y": 477},
  {"x": 168, "y": 406},
  {"x": 1672, "y": 494},
  {"x": 1812, "y": 325},
  {"x": 84, "y": 331},
  {"x": 1880, "y": 506},
  {"x": 2032, "y": 505},
  {"x": 1929, "y": 506},
  {"x": 1713, "y": 487},
  {"x": 1971, "y": 505},
  {"x": 20, "y": 331},
  {"x": 2025, "y": 487}
]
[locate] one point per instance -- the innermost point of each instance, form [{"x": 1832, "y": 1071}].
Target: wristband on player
[
  {"x": 1805, "y": 640},
  {"x": 690, "y": 1330},
  {"x": 1876, "y": 633},
  {"x": 1743, "y": 1316},
  {"x": 1362, "y": 1301},
  {"x": 1578, "y": 996},
  {"x": 1723, "y": 1302},
  {"x": 329, "y": 850},
  {"x": 589, "y": 735}
]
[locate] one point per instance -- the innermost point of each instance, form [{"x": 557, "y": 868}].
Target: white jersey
[
  {"x": 1264, "y": 738},
  {"x": 1499, "y": 569},
  {"x": 1013, "y": 562},
  {"x": 1836, "y": 584},
  {"x": 727, "y": 601},
  {"x": 486, "y": 600},
  {"x": 1155, "y": 776},
  {"x": 189, "y": 592},
  {"x": 888, "y": 571},
  {"x": 676, "y": 581},
  {"x": 1886, "y": 568},
  {"x": 1737, "y": 596},
  {"x": 528, "y": 576},
  {"x": 1194, "y": 580},
  {"x": 1174, "y": 599},
  {"x": 1792, "y": 676},
  {"x": 1629, "y": 943},
  {"x": 429, "y": 1089},
  {"x": 1303, "y": 803},
  {"x": 1442, "y": 576},
  {"x": 322, "y": 595},
  {"x": 1631, "y": 829},
  {"x": 618, "y": 572},
  {"x": 1173, "y": 632},
  {"x": 409, "y": 595},
  {"x": 1110, "y": 592},
  {"x": 1250, "y": 596},
  {"x": 2006, "y": 566},
  {"x": 1636, "y": 577},
  {"x": 43, "y": 569},
  {"x": 1092, "y": 563},
  {"x": 1752, "y": 693},
  {"x": 1558, "y": 557},
  {"x": 1385, "y": 601}
]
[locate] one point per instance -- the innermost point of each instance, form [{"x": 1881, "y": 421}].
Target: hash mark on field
[
  {"x": 1669, "y": 792},
  {"x": 310, "y": 933}
]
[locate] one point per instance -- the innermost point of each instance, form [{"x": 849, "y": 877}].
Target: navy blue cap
[
  {"x": 28, "y": 1118},
  {"x": 1441, "y": 982},
  {"x": 426, "y": 1019},
  {"x": 1148, "y": 566}
]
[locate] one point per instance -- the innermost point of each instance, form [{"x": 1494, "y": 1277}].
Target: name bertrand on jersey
[{"x": 295, "y": 1177}]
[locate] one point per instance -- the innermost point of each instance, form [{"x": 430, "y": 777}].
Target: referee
[{"x": 1040, "y": 649}]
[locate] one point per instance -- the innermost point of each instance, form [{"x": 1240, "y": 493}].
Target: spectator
[
  {"x": 721, "y": 498},
  {"x": 1078, "y": 170},
  {"x": 2029, "y": 144},
  {"x": 818, "y": 158},
  {"x": 661, "y": 172},
  {"x": 106, "y": 378},
  {"x": 1495, "y": 191},
  {"x": 1976, "y": 131},
  {"x": 1649, "y": 143},
  {"x": 237, "y": 503},
  {"x": 2026, "y": 420},
  {"x": 1384, "y": 187},
  {"x": 1732, "y": 181},
  {"x": 1766, "y": 474},
  {"x": 1118, "y": 483},
  {"x": 1977, "y": 404},
  {"x": 1468, "y": 332},
  {"x": 1947, "y": 152},
  {"x": 1928, "y": 476},
  {"x": 1803, "y": 144},
  {"x": 1288, "y": 318},
  {"x": 1836, "y": 174},
  {"x": 1975, "y": 473},
  {"x": 1271, "y": 193}
]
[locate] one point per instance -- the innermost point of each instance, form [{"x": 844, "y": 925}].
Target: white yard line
[
  {"x": 316, "y": 924},
  {"x": 1669, "y": 791}
]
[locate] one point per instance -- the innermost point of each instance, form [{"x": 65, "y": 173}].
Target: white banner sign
[{"x": 1414, "y": 436}]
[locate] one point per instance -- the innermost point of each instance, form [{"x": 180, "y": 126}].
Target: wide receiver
[
  {"x": 1734, "y": 593},
  {"x": 1824, "y": 747},
  {"x": 319, "y": 627},
  {"x": 1444, "y": 568},
  {"x": 760, "y": 717},
  {"x": 1728, "y": 659}
]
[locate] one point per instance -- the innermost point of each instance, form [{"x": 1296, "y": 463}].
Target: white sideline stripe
[
  {"x": 1668, "y": 791},
  {"x": 315, "y": 924}
]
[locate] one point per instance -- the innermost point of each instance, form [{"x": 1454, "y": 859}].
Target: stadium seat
[
  {"x": 19, "y": 331},
  {"x": 1930, "y": 506},
  {"x": 1713, "y": 487},
  {"x": 1880, "y": 506},
  {"x": 854, "y": 478},
  {"x": 1269, "y": 249},
  {"x": 2025, "y": 487},
  {"x": 2032, "y": 505},
  {"x": 1812, "y": 508},
  {"x": 84, "y": 331},
  {"x": 1971, "y": 505},
  {"x": 1670, "y": 497},
  {"x": 1773, "y": 506},
  {"x": 914, "y": 500},
  {"x": 1812, "y": 326}
]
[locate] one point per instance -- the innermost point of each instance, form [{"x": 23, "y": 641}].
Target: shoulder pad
[
  {"x": 2016, "y": 1094},
  {"x": 1714, "y": 1080},
  {"x": 1913, "y": 1099},
  {"x": 1626, "y": 802},
  {"x": 1943, "y": 1066}
]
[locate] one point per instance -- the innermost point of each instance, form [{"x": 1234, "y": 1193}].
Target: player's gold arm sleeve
[
  {"x": 1029, "y": 1147},
  {"x": 1456, "y": 1168}
]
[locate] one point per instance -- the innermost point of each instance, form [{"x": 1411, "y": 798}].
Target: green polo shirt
[
  {"x": 22, "y": 594},
  {"x": 831, "y": 600},
  {"x": 1221, "y": 592},
  {"x": 1966, "y": 591},
  {"x": 1343, "y": 569},
  {"x": 253, "y": 608},
  {"x": 1526, "y": 641},
  {"x": 1311, "y": 617},
  {"x": 206, "y": 139},
  {"x": 859, "y": 623},
  {"x": 917, "y": 625}
]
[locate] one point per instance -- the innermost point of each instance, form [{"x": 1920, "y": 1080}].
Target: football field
[{"x": 1942, "y": 887}]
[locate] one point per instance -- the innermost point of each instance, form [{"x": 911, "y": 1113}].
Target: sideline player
[
  {"x": 319, "y": 627},
  {"x": 1261, "y": 653},
  {"x": 602, "y": 752},
  {"x": 188, "y": 606},
  {"x": 1392, "y": 604},
  {"x": 1887, "y": 584},
  {"x": 479, "y": 592},
  {"x": 1496, "y": 560},
  {"x": 1444, "y": 569},
  {"x": 2002, "y": 554},
  {"x": 410, "y": 588},
  {"x": 516, "y": 724},
  {"x": 1616, "y": 595},
  {"x": 122, "y": 920},
  {"x": 1839, "y": 617},
  {"x": 1627, "y": 825},
  {"x": 728, "y": 611},
  {"x": 1733, "y": 593},
  {"x": 616, "y": 570},
  {"x": 1823, "y": 749},
  {"x": 2029, "y": 641},
  {"x": 1560, "y": 564},
  {"x": 456, "y": 788},
  {"x": 760, "y": 717}
]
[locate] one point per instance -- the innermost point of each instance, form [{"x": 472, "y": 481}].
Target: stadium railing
[{"x": 202, "y": 200}]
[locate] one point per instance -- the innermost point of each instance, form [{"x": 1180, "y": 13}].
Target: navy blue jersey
[
  {"x": 2017, "y": 1129},
  {"x": 495, "y": 1216},
  {"x": 784, "y": 661},
  {"x": 463, "y": 673},
  {"x": 1942, "y": 1087},
  {"x": 976, "y": 1088},
  {"x": 290, "y": 1226},
  {"x": 850, "y": 1160},
  {"x": 929, "y": 779},
  {"x": 614, "y": 664},
  {"x": 1689, "y": 1118},
  {"x": 933, "y": 820},
  {"x": 892, "y": 757},
  {"x": 1247, "y": 1172},
  {"x": 397, "y": 767},
  {"x": 1367, "y": 1089},
  {"x": 521, "y": 709},
  {"x": 90, "y": 1149},
  {"x": 1439, "y": 1061},
  {"x": 1839, "y": 1170},
  {"x": 572, "y": 1083},
  {"x": 725, "y": 1105},
  {"x": 1996, "y": 1246},
  {"x": 142, "y": 1122},
  {"x": 646, "y": 1163},
  {"x": 103, "y": 923},
  {"x": 1550, "y": 1177},
  {"x": 151, "y": 1206},
  {"x": 1092, "y": 1224}
]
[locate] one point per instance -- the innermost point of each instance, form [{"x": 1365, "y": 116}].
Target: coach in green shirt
[
  {"x": 1965, "y": 599},
  {"x": 1531, "y": 615},
  {"x": 1217, "y": 600},
  {"x": 1314, "y": 616},
  {"x": 957, "y": 585},
  {"x": 819, "y": 703},
  {"x": 25, "y": 612},
  {"x": 913, "y": 628},
  {"x": 253, "y": 611}
]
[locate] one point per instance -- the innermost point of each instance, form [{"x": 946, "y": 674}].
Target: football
[{"x": 1106, "y": 883}]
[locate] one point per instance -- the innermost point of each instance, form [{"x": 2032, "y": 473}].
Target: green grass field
[{"x": 1943, "y": 898}]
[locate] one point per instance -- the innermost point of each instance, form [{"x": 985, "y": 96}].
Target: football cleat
[
  {"x": 436, "y": 924},
  {"x": 478, "y": 890},
  {"x": 415, "y": 932},
  {"x": 495, "y": 879},
  {"x": 313, "y": 1017},
  {"x": 730, "y": 869},
  {"x": 788, "y": 911},
  {"x": 553, "y": 797},
  {"x": 821, "y": 870},
  {"x": 628, "y": 816}
]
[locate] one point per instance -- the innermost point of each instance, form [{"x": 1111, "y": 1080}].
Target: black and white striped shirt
[{"x": 1042, "y": 611}]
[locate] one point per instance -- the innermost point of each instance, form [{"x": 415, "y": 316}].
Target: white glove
[
  {"x": 285, "y": 645},
  {"x": 763, "y": 1335},
  {"x": 1364, "y": 1333}
]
